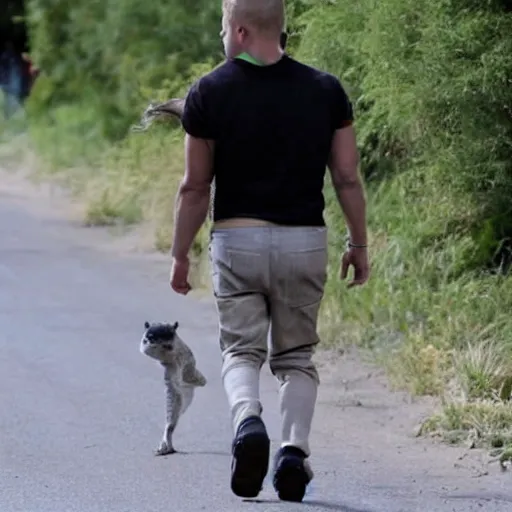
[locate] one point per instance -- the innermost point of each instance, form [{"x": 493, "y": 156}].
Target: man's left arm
[{"x": 193, "y": 198}]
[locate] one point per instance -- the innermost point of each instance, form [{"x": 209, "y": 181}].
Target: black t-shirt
[{"x": 272, "y": 127}]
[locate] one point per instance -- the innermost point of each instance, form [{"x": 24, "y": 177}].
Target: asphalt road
[{"x": 81, "y": 410}]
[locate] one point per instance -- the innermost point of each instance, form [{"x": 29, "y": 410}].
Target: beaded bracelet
[{"x": 350, "y": 245}]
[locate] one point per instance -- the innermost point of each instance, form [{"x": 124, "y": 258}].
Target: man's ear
[
  {"x": 283, "y": 40},
  {"x": 175, "y": 326},
  {"x": 146, "y": 325},
  {"x": 241, "y": 32}
]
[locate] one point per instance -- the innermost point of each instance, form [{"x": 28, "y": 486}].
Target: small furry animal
[{"x": 161, "y": 342}]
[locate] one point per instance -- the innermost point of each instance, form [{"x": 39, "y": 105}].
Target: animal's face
[{"x": 158, "y": 340}]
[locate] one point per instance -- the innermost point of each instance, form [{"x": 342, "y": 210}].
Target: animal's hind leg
[
  {"x": 166, "y": 447},
  {"x": 174, "y": 405},
  {"x": 175, "y": 411}
]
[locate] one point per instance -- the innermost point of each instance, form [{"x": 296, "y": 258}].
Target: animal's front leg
[
  {"x": 200, "y": 379},
  {"x": 174, "y": 402},
  {"x": 192, "y": 376}
]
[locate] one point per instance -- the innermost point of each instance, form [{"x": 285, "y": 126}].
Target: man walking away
[{"x": 266, "y": 127}]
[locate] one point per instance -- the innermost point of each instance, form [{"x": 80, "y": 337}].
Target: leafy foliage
[{"x": 111, "y": 53}]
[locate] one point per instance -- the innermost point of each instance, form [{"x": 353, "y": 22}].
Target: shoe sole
[
  {"x": 290, "y": 480},
  {"x": 250, "y": 465}
]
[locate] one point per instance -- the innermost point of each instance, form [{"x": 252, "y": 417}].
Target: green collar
[{"x": 249, "y": 58}]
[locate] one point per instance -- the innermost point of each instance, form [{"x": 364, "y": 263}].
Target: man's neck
[
  {"x": 262, "y": 56},
  {"x": 249, "y": 58}
]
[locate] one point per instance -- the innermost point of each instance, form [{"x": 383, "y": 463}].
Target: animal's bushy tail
[{"x": 171, "y": 108}]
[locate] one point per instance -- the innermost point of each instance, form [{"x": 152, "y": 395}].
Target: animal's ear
[
  {"x": 283, "y": 40},
  {"x": 175, "y": 326},
  {"x": 146, "y": 325}
]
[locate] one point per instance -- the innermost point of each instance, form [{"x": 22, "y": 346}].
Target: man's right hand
[
  {"x": 179, "y": 276},
  {"x": 358, "y": 258}
]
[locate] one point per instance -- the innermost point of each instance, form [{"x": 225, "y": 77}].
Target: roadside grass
[
  {"x": 437, "y": 329},
  {"x": 13, "y": 139}
]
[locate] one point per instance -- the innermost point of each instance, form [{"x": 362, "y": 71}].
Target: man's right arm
[{"x": 343, "y": 166}]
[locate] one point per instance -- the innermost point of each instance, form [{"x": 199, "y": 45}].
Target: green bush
[{"x": 110, "y": 54}]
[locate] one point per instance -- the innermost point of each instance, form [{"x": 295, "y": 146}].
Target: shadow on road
[
  {"x": 200, "y": 452},
  {"x": 482, "y": 496},
  {"x": 326, "y": 505}
]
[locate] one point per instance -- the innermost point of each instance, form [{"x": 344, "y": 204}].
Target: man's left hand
[{"x": 179, "y": 276}]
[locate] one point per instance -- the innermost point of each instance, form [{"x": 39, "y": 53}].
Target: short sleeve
[
  {"x": 196, "y": 119},
  {"x": 342, "y": 108}
]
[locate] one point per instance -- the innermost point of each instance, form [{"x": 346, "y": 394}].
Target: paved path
[{"x": 81, "y": 410}]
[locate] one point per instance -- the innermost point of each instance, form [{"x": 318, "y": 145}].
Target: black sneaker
[
  {"x": 292, "y": 474},
  {"x": 251, "y": 451}
]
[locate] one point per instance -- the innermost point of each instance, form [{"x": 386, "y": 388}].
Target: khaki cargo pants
[{"x": 270, "y": 280}]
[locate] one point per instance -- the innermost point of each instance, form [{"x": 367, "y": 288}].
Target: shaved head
[
  {"x": 265, "y": 16},
  {"x": 252, "y": 25}
]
